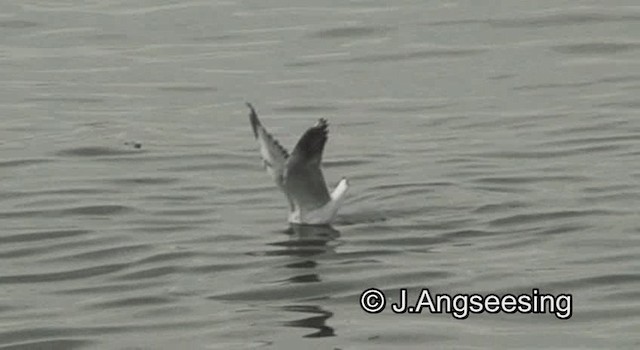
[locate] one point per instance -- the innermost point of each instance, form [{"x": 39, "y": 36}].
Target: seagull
[{"x": 298, "y": 174}]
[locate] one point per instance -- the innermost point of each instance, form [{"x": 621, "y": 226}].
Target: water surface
[{"x": 490, "y": 149}]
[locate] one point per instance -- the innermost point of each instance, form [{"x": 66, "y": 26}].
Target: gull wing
[
  {"x": 303, "y": 179},
  {"x": 274, "y": 156}
]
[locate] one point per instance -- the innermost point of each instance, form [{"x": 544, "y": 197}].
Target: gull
[{"x": 298, "y": 174}]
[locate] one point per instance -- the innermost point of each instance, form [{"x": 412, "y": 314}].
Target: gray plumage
[{"x": 299, "y": 174}]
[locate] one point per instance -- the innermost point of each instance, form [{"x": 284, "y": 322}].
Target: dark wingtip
[
  {"x": 322, "y": 125},
  {"x": 253, "y": 117},
  {"x": 312, "y": 143}
]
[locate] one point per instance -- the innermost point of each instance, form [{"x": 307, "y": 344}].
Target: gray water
[{"x": 491, "y": 147}]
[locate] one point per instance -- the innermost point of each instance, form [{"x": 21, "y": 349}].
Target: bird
[{"x": 299, "y": 174}]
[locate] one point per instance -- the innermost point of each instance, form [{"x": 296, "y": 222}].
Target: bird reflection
[
  {"x": 315, "y": 322},
  {"x": 307, "y": 241},
  {"x": 305, "y": 245}
]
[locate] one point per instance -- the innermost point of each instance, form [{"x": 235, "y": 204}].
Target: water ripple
[
  {"x": 42, "y": 235},
  {"x": 432, "y": 53},
  {"x": 52, "y": 344},
  {"x": 94, "y": 151},
  {"x": 350, "y": 32},
  {"x": 606, "y": 48},
  {"x": 62, "y": 276},
  {"x": 544, "y": 217}
]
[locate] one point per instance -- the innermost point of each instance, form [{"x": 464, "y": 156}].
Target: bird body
[{"x": 299, "y": 174}]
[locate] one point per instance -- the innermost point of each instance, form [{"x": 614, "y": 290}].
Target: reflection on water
[
  {"x": 317, "y": 323},
  {"x": 305, "y": 244}
]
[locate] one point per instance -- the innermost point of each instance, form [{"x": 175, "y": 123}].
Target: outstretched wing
[
  {"x": 274, "y": 156},
  {"x": 303, "y": 179}
]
